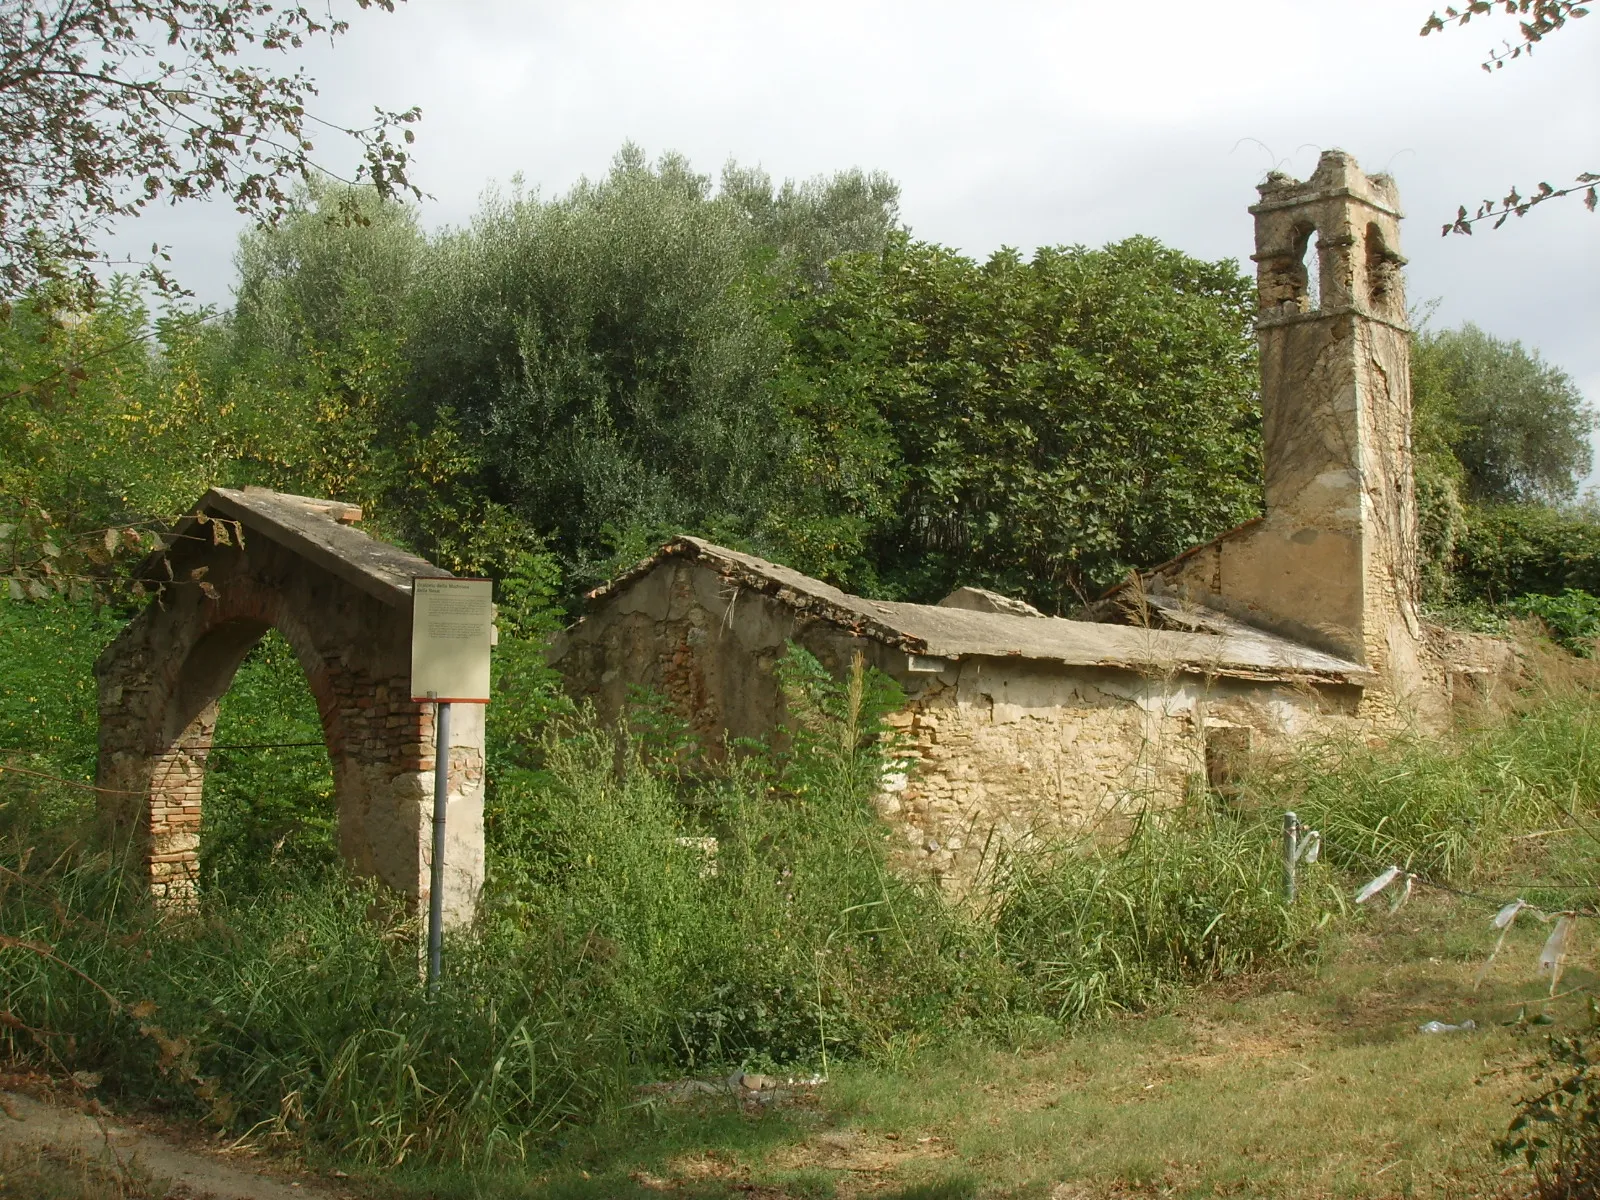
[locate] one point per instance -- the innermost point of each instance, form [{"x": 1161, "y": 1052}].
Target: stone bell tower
[{"x": 1333, "y": 562}]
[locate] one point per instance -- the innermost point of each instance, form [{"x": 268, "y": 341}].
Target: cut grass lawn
[{"x": 1312, "y": 1083}]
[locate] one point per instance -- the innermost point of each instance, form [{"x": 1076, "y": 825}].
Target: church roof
[{"x": 1213, "y": 644}]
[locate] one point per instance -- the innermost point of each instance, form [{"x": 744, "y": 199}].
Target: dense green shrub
[
  {"x": 1556, "y": 1131},
  {"x": 1573, "y": 618},
  {"x": 1512, "y": 550},
  {"x": 269, "y": 805},
  {"x": 48, "y": 703}
]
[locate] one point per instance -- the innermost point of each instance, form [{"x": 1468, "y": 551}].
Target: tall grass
[
  {"x": 1445, "y": 807},
  {"x": 1194, "y": 896},
  {"x": 610, "y": 952},
  {"x": 612, "y": 949}
]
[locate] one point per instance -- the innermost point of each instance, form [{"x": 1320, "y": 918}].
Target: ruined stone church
[
  {"x": 1020, "y": 726},
  {"x": 1016, "y": 726}
]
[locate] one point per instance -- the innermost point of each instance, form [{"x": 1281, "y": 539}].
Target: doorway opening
[{"x": 268, "y": 818}]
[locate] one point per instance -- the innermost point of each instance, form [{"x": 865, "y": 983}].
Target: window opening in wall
[
  {"x": 1313, "y": 264},
  {"x": 268, "y": 814}
]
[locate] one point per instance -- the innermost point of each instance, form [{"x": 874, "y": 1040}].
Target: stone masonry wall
[
  {"x": 1004, "y": 756},
  {"x": 997, "y": 752},
  {"x": 159, "y": 686}
]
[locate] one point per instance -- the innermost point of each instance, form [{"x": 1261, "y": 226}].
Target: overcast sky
[{"x": 1006, "y": 123}]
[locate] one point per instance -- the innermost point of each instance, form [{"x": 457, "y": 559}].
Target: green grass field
[
  {"x": 1310, "y": 1082},
  {"x": 1149, "y": 1019}
]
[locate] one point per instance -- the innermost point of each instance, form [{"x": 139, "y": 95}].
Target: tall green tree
[
  {"x": 799, "y": 227},
  {"x": 1040, "y": 426},
  {"x": 607, "y": 356},
  {"x": 108, "y": 428},
  {"x": 314, "y": 354},
  {"x": 1518, "y": 426},
  {"x": 603, "y": 355}
]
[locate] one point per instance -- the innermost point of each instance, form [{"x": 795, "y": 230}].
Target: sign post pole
[
  {"x": 441, "y": 806},
  {"x": 452, "y": 628}
]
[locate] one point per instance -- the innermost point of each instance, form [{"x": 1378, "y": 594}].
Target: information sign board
[{"x": 452, "y": 627}]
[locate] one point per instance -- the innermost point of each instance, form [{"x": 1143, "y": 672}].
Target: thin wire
[
  {"x": 1490, "y": 900},
  {"x": 254, "y": 745},
  {"x": 88, "y": 787}
]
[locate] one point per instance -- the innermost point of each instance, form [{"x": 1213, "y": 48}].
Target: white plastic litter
[
  {"x": 1554, "y": 955},
  {"x": 1310, "y": 846},
  {"x": 1377, "y": 885},
  {"x": 1402, "y": 897},
  {"x": 1503, "y": 921},
  {"x": 1441, "y": 1027},
  {"x": 1508, "y": 914}
]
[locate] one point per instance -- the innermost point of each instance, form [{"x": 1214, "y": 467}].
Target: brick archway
[{"x": 256, "y": 560}]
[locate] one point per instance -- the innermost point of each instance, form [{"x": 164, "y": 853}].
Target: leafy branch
[
  {"x": 1515, "y": 204},
  {"x": 109, "y": 105},
  {"x": 1537, "y": 20},
  {"x": 1543, "y": 17}
]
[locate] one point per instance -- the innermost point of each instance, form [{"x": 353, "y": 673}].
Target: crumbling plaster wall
[
  {"x": 996, "y": 752},
  {"x": 161, "y": 680}
]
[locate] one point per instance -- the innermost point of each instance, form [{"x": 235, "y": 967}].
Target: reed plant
[
  {"x": 1191, "y": 896},
  {"x": 1451, "y": 808}
]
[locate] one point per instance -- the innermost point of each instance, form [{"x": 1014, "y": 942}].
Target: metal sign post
[
  {"x": 452, "y": 628},
  {"x": 441, "y": 807},
  {"x": 1291, "y": 852}
]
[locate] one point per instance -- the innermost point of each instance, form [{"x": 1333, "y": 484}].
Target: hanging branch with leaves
[
  {"x": 1536, "y": 20},
  {"x": 108, "y": 105},
  {"x": 1516, "y": 204}
]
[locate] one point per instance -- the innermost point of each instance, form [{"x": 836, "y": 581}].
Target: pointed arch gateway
[{"x": 242, "y": 563}]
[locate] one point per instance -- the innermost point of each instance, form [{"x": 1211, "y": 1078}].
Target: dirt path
[{"x": 30, "y": 1127}]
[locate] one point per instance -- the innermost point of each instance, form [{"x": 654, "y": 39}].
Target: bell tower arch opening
[
  {"x": 244, "y": 563},
  {"x": 1311, "y": 256}
]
